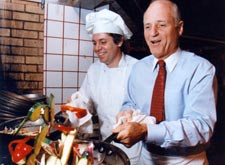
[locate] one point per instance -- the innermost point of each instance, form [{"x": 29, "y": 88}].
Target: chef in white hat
[
  {"x": 106, "y": 21},
  {"x": 106, "y": 80}
]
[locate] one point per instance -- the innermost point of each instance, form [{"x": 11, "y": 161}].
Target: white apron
[{"x": 108, "y": 97}]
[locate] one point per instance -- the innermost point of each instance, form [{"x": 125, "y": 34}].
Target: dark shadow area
[{"x": 2, "y": 80}]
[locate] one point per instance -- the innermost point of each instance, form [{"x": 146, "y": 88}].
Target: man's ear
[
  {"x": 180, "y": 27},
  {"x": 121, "y": 42}
]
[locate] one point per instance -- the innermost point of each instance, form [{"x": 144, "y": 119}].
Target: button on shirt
[{"x": 190, "y": 110}]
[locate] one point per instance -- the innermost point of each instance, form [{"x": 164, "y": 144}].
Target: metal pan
[
  {"x": 15, "y": 101},
  {"x": 15, "y": 96},
  {"x": 104, "y": 153},
  {"x": 17, "y": 112},
  {"x": 36, "y": 97},
  {"x": 109, "y": 154}
]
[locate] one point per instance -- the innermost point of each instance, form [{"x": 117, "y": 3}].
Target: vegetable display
[
  {"x": 45, "y": 151},
  {"x": 34, "y": 113}
]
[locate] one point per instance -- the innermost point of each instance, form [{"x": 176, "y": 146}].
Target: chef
[{"x": 106, "y": 80}]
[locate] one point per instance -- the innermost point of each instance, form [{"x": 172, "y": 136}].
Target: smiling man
[
  {"x": 106, "y": 81},
  {"x": 162, "y": 31},
  {"x": 176, "y": 87}
]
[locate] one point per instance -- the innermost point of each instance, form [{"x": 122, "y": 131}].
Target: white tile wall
[
  {"x": 54, "y": 45},
  {"x": 54, "y": 29},
  {"x": 54, "y": 62},
  {"x": 71, "y": 30},
  {"x": 54, "y": 12},
  {"x": 70, "y": 63},
  {"x": 68, "y": 51},
  {"x": 72, "y": 14},
  {"x": 69, "y": 79},
  {"x": 86, "y": 48},
  {"x": 70, "y": 47},
  {"x": 83, "y": 33},
  {"x": 54, "y": 79}
]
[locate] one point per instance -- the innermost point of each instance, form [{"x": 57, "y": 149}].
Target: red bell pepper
[
  {"x": 21, "y": 150},
  {"x": 79, "y": 112},
  {"x": 63, "y": 128}
]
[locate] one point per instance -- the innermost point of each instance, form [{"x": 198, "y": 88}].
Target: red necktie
[{"x": 157, "y": 106}]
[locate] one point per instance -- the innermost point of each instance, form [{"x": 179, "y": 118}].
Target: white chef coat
[{"x": 105, "y": 88}]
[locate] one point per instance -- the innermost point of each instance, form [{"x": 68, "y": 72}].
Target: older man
[{"x": 182, "y": 97}]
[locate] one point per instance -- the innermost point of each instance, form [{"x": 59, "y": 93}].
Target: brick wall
[{"x": 21, "y": 46}]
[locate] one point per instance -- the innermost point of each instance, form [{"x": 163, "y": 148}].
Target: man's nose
[
  {"x": 154, "y": 30},
  {"x": 97, "y": 47}
]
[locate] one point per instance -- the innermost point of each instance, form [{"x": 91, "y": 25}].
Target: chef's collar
[
  {"x": 122, "y": 61},
  {"x": 170, "y": 61}
]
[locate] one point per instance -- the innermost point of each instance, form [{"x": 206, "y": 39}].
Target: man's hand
[
  {"x": 127, "y": 114},
  {"x": 130, "y": 133}
]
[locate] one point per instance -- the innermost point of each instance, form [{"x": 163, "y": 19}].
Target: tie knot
[{"x": 161, "y": 63}]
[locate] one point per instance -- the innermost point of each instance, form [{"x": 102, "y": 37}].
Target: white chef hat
[{"x": 106, "y": 21}]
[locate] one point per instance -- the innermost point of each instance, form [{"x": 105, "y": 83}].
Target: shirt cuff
[{"x": 156, "y": 133}]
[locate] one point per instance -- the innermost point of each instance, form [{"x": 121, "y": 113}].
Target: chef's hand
[
  {"x": 69, "y": 100},
  {"x": 130, "y": 133}
]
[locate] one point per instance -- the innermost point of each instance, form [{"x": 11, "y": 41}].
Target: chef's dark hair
[{"x": 116, "y": 37}]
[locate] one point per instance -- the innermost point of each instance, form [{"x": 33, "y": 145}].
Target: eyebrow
[
  {"x": 159, "y": 21},
  {"x": 101, "y": 39}
]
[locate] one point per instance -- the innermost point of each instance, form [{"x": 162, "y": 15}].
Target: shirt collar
[
  {"x": 170, "y": 61},
  {"x": 122, "y": 61}
]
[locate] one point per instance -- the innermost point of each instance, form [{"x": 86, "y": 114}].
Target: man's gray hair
[{"x": 177, "y": 14}]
